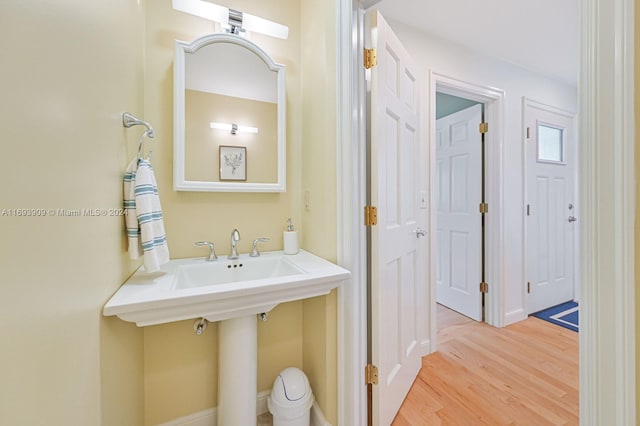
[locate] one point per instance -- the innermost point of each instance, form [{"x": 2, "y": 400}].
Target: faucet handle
[
  {"x": 212, "y": 252},
  {"x": 254, "y": 247}
]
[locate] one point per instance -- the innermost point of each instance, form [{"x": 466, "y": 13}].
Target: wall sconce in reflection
[
  {"x": 233, "y": 21},
  {"x": 233, "y": 128}
]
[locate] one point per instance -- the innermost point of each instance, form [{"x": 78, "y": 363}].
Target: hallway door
[
  {"x": 399, "y": 288},
  {"x": 458, "y": 220},
  {"x": 550, "y": 210}
]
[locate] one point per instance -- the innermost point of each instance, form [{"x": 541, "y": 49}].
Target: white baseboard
[
  {"x": 317, "y": 418},
  {"x": 261, "y": 403},
  {"x": 514, "y": 316},
  {"x": 425, "y": 348},
  {"x": 209, "y": 417}
]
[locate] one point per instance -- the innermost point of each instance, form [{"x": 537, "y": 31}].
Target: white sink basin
[
  {"x": 211, "y": 273},
  {"x": 223, "y": 289}
]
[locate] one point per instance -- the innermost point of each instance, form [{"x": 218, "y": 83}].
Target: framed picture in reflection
[{"x": 233, "y": 163}]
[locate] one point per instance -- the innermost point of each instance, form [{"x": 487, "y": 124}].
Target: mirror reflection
[{"x": 230, "y": 128}]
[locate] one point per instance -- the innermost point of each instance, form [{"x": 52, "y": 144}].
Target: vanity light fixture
[
  {"x": 233, "y": 128},
  {"x": 233, "y": 21}
]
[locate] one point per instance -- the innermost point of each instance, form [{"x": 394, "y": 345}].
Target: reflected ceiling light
[
  {"x": 233, "y": 128},
  {"x": 233, "y": 21}
]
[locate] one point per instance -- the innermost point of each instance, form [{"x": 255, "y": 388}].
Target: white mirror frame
[{"x": 179, "y": 76}]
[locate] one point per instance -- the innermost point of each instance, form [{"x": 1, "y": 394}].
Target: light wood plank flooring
[{"x": 523, "y": 374}]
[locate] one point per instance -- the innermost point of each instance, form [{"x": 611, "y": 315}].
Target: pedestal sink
[{"x": 233, "y": 292}]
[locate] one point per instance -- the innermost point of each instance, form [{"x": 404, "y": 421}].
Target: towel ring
[
  {"x": 129, "y": 120},
  {"x": 141, "y": 146}
]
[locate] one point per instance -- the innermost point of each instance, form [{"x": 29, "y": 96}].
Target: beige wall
[
  {"x": 191, "y": 216},
  {"x": 175, "y": 359},
  {"x": 69, "y": 70},
  {"x": 637, "y": 230},
  {"x": 319, "y": 127},
  {"x": 202, "y": 143},
  {"x": 181, "y": 372},
  {"x": 319, "y": 221},
  {"x": 180, "y": 368}
]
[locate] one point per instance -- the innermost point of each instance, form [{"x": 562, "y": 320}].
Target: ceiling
[{"x": 540, "y": 35}]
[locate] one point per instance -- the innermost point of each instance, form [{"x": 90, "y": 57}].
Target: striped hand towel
[
  {"x": 130, "y": 218},
  {"x": 149, "y": 213},
  {"x": 146, "y": 230}
]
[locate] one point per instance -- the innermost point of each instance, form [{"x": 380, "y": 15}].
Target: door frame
[
  {"x": 607, "y": 194},
  {"x": 465, "y": 298},
  {"x": 606, "y": 181},
  {"x": 351, "y": 164},
  {"x": 493, "y": 100},
  {"x": 532, "y": 103}
]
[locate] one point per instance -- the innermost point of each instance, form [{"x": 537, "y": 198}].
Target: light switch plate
[
  {"x": 423, "y": 199},
  {"x": 307, "y": 200}
]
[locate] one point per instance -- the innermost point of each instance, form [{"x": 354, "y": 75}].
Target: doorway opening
[
  {"x": 487, "y": 103},
  {"x": 551, "y": 196},
  {"x": 460, "y": 208},
  {"x": 607, "y": 194}
]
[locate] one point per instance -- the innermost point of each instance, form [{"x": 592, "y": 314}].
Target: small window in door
[{"x": 550, "y": 144}]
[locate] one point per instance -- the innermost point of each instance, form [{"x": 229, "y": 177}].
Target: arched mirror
[{"x": 229, "y": 117}]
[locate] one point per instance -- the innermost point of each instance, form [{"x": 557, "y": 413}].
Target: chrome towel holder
[{"x": 129, "y": 120}]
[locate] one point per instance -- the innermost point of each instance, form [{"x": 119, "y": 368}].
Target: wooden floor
[{"x": 523, "y": 374}]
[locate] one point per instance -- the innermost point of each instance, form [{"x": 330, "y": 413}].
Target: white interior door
[
  {"x": 458, "y": 219},
  {"x": 399, "y": 296},
  {"x": 550, "y": 210}
]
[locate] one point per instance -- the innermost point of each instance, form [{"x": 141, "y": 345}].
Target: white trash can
[{"x": 291, "y": 399}]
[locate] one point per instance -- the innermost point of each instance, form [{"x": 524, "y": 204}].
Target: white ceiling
[{"x": 540, "y": 35}]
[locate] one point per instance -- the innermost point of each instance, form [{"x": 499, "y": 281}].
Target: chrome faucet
[
  {"x": 212, "y": 253},
  {"x": 235, "y": 237},
  {"x": 254, "y": 247}
]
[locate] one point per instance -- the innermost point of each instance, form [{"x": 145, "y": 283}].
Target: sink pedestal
[
  {"x": 237, "y": 370},
  {"x": 231, "y": 292}
]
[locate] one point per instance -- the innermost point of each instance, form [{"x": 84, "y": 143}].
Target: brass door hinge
[
  {"x": 484, "y": 208},
  {"x": 528, "y": 288},
  {"x": 371, "y": 375},
  {"x": 484, "y": 127},
  {"x": 370, "y": 216},
  {"x": 484, "y": 288},
  {"x": 370, "y": 58}
]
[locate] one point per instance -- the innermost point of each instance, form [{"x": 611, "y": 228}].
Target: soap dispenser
[{"x": 290, "y": 239}]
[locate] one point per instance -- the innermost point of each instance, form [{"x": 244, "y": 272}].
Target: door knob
[
  {"x": 572, "y": 219},
  {"x": 419, "y": 232}
]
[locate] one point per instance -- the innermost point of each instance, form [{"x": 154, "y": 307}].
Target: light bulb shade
[
  {"x": 203, "y": 9},
  {"x": 232, "y": 127},
  {"x": 220, "y": 14},
  {"x": 260, "y": 25}
]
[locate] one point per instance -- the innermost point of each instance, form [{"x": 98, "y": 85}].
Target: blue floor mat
[{"x": 565, "y": 315}]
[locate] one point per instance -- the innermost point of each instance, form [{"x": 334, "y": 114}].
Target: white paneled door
[
  {"x": 458, "y": 220},
  {"x": 550, "y": 210},
  {"x": 399, "y": 296}
]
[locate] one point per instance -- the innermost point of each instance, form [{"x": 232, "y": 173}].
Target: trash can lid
[{"x": 290, "y": 385}]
